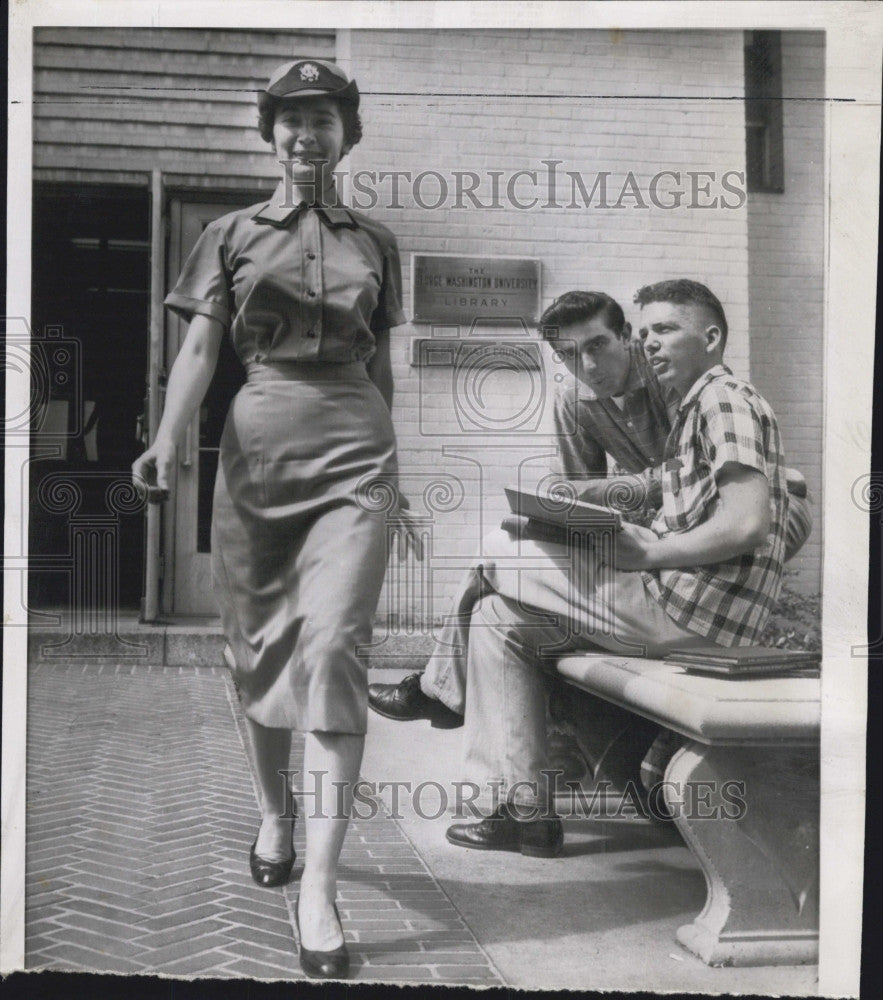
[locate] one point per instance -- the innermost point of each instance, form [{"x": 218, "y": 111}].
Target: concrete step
[{"x": 53, "y": 637}]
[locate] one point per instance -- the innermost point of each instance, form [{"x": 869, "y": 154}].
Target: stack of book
[{"x": 746, "y": 661}]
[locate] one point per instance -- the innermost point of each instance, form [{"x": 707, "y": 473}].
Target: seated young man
[{"x": 615, "y": 407}]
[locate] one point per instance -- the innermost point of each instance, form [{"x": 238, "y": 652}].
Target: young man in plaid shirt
[
  {"x": 617, "y": 409},
  {"x": 707, "y": 571},
  {"x": 715, "y": 562}
]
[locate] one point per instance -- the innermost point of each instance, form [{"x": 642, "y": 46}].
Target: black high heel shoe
[
  {"x": 334, "y": 964},
  {"x": 270, "y": 874}
]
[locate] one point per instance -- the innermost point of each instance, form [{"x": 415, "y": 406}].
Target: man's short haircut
[
  {"x": 682, "y": 292},
  {"x": 579, "y": 307}
]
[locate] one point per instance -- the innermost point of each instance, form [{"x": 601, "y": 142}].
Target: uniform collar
[
  {"x": 717, "y": 371},
  {"x": 279, "y": 214}
]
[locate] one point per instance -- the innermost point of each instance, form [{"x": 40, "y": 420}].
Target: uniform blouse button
[
  {"x": 311, "y": 255},
  {"x": 311, "y": 333},
  {"x": 311, "y": 293}
]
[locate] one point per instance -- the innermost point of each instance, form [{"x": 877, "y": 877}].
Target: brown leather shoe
[
  {"x": 539, "y": 838},
  {"x": 405, "y": 702}
]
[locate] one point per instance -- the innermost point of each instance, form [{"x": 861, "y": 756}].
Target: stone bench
[{"x": 760, "y": 859}]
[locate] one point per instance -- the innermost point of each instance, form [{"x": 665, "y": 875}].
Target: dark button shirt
[
  {"x": 589, "y": 429},
  {"x": 294, "y": 283}
]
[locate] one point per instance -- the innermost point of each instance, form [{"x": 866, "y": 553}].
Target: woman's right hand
[
  {"x": 189, "y": 380},
  {"x": 152, "y": 471}
]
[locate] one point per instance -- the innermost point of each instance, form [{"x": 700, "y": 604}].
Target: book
[
  {"x": 537, "y": 531},
  {"x": 744, "y": 661},
  {"x": 560, "y": 509}
]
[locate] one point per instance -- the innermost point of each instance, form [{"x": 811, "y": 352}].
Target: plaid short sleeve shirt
[{"x": 721, "y": 419}]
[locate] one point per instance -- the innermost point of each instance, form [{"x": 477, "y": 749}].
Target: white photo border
[{"x": 854, "y": 32}]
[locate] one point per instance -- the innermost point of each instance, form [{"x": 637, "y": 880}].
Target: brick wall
[
  {"x": 786, "y": 283},
  {"x": 635, "y": 109}
]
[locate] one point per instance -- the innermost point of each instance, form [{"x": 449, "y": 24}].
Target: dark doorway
[{"x": 89, "y": 324}]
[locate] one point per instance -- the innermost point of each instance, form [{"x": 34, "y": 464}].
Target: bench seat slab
[
  {"x": 751, "y": 818},
  {"x": 770, "y": 711}
]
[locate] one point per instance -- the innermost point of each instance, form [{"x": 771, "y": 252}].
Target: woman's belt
[{"x": 304, "y": 371}]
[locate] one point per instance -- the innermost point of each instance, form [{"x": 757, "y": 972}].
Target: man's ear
[
  {"x": 626, "y": 330},
  {"x": 714, "y": 339}
]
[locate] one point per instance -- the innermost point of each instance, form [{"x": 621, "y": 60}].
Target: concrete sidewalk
[{"x": 141, "y": 809}]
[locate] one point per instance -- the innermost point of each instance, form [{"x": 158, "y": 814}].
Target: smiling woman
[
  {"x": 307, "y": 292},
  {"x": 311, "y": 122},
  {"x": 309, "y": 137}
]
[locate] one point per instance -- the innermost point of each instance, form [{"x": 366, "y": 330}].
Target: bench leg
[{"x": 757, "y": 840}]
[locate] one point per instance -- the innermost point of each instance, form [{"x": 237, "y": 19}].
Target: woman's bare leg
[
  {"x": 331, "y": 768},
  {"x": 270, "y": 750}
]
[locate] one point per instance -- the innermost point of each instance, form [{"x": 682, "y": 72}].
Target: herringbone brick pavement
[{"x": 140, "y": 811}]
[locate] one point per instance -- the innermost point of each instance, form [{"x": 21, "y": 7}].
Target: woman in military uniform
[{"x": 307, "y": 291}]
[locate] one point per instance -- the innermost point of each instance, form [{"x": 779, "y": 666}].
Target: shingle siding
[{"x": 183, "y": 101}]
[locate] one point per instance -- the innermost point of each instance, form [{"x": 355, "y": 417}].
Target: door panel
[{"x": 189, "y": 591}]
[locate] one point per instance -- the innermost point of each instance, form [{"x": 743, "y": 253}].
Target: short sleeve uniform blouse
[{"x": 294, "y": 283}]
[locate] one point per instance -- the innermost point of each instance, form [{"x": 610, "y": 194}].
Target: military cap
[{"x": 312, "y": 78}]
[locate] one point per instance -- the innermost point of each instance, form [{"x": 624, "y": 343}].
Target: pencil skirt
[{"x": 298, "y": 546}]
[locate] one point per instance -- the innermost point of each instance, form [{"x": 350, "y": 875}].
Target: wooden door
[{"x": 187, "y": 589}]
